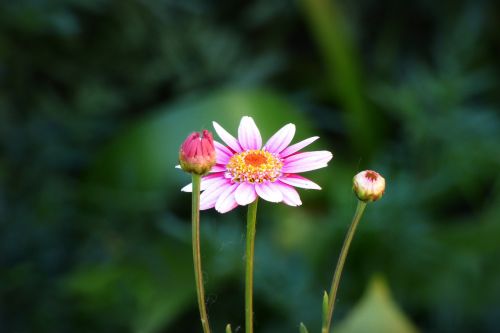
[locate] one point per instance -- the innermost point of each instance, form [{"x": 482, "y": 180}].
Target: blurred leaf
[
  {"x": 330, "y": 30},
  {"x": 151, "y": 303},
  {"x": 376, "y": 313}
]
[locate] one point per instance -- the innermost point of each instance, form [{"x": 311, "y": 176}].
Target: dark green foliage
[{"x": 96, "y": 97}]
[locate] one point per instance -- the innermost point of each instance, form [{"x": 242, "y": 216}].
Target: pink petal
[
  {"x": 307, "y": 161},
  {"x": 299, "y": 181},
  {"x": 222, "y": 153},
  {"x": 298, "y": 146},
  {"x": 281, "y": 139},
  {"x": 248, "y": 134},
  {"x": 320, "y": 155},
  {"x": 245, "y": 194},
  {"x": 209, "y": 197},
  {"x": 226, "y": 201},
  {"x": 227, "y": 138},
  {"x": 208, "y": 204},
  {"x": 206, "y": 181},
  {"x": 269, "y": 192},
  {"x": 290, "y": 195},
  {"x": 218, "y": 168}
]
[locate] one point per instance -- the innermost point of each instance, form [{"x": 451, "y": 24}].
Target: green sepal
[
  {"x": 303, "y": 328},
  {"x": 325, "y": 309},
  {"x": 228, "y": 328}
]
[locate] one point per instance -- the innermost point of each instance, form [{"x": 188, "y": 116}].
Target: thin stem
[
  {"x": 195, "y": 216},
  {"x": 251, "y": 221},
  {"x": 340, "y": 264}
]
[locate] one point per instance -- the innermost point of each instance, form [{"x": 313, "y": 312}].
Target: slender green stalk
[
  {"x": 340, "y": 264},
  {"x": 195, "y": 216},
  {"x": 250, "y": 247}
]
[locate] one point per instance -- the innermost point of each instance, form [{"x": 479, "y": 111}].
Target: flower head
[
  {"x": 246, "y": 169},
  {"x": 197, "y": 154},
  {"x": 368, "y": 185}
]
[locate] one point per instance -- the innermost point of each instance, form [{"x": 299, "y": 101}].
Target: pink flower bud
[
  {"x": 197, "y": 154},
  {"x": 368, "y": 185}
]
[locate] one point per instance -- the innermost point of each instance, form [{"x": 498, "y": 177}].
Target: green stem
[
  {"x": 251, "y": 221},
  {"x": 340, "y": 264},
  {"x": 195, "y": 216}
]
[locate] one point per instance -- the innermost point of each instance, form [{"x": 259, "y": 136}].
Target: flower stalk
[
  {"x": 198, "y": 273},
  {"x": 250, "y": 249},
  {"x": 369, "y": 186},
  {"x": 340, "y": 266}
]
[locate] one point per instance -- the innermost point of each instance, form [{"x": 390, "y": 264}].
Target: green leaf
[
  {"x": 228, "y": 328},
  {"x": 303, "y": 328},
  {"x": 376, "y": 313}
]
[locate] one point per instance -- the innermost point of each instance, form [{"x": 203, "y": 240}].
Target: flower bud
[
  {"x": 197, "y": 154},
  {"x": 368, "y": 185}
]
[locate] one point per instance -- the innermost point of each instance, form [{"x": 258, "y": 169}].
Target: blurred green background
[{"x": 96, "y": 97}]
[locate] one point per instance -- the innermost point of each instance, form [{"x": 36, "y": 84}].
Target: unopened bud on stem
[
  {"x": 197, "y": 154},
  {"x": 368, "y": 185}
]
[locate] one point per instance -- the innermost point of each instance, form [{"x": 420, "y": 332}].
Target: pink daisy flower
[{"x": 245, "y": 169}]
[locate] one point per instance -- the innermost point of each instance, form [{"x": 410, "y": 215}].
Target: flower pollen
[
  {"x": 371, "y": 176},
  {"x": 254, "y": 166},
  {"x": 255, "y": 160}
]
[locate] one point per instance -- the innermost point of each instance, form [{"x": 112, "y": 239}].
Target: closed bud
[
  {"x": 197, "y": 154},
  {"x": 368, "y": 185}
]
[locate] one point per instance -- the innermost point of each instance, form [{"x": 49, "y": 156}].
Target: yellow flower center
[{"x": 254, "y": 166}]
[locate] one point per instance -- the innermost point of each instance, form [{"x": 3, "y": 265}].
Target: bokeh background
[{"x": 97, "y": 95}]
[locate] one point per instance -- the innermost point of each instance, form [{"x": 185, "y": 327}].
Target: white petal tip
[
  {"x": 243, "y": 203},
  {"x": 271, "y": 198},
  {"x": 224, "y": 210},
  {"x": 217, "y": 126}
]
